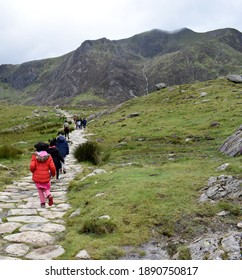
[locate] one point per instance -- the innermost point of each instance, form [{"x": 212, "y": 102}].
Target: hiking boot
[
  {"x": 42, "y": 205},
  {"x": 50, "y": 200}
]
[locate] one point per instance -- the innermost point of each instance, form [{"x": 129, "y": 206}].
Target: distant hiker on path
[
  {"x": 66, "y": 129},
  {"x": 43, "y": 168},
  {"x": 84, "y": 123},
  {"x": 79, "y": 123},
  {"x": 63, "y": 147}
]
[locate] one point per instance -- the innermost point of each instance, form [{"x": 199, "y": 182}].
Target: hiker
[
  {"x": 66, "y": 129},
  {"x": 78, "y": 123},
  {"x": 43, "y": 168},
  {"x": 63, "y": 147},
  {"x": 84, "y": 123},
  {"x": 56, "y": 156}
]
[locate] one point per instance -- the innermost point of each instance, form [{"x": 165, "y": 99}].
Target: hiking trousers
[{"x": 43, "y": 190}]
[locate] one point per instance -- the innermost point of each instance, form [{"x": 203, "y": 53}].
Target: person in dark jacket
[
  {"x": 56, "y": 156},
  {"x": 63, "y": 147},
  {"x": 84, "y": 123}
]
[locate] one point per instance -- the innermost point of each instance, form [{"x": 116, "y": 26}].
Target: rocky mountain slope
[{"x": 110, "y": 72}]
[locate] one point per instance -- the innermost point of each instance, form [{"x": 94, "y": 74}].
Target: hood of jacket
[
  {"x": 61, "y": 138},
  {"x": 42, "y": 156}
]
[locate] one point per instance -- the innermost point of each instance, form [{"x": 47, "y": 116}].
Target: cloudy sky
[{"x": 37, "y": 29}]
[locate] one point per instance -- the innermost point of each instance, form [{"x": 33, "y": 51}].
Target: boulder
[
  {"x": 133, "y": 115},
  {"x": 234, "y": 78},
  {"x": 160, "y": 86}
]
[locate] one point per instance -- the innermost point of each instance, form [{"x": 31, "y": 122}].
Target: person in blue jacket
[{"x": 63, "y": 147}]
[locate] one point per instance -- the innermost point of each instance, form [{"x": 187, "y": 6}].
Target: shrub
[
  {"x": 7, "y": 152},
  {"x": 89, "y": 151}
]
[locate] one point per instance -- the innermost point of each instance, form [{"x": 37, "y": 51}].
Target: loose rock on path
[{"x": 28, "y": 231}]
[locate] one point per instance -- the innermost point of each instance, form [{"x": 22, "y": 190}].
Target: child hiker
[{"x": 43, "y": 167}]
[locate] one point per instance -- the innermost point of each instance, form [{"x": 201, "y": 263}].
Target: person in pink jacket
[{"x": 43, "y": 168}]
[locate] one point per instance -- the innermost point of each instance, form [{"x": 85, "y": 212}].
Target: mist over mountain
[{"x": 112, "y": 71}]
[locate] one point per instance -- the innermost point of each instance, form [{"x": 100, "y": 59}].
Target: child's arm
[{"x": 32, "y": 166}]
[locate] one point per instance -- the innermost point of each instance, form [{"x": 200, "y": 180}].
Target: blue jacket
[{"x": 62, "y": 145}]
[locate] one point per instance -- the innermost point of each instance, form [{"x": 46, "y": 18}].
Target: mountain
[{"x": 112, "y": 71}]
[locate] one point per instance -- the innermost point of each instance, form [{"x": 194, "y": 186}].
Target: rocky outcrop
[
  {"x": 223, "y": 186},
  {"x": 233, "y": 144},
  {"x": 217, "y": 246}
]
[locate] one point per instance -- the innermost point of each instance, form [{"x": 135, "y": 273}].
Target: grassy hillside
[{"x": 156, "y": 163}]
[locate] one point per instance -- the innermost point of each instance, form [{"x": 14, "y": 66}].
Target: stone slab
[
  {"x": 21, "y": 212},
  {"x": 6, "y": 205},
  {"x": 28, "y": 219},
  {"x": 17, "y": 250},
  {"x": 9, "y": 227},
  {"x": 44, "y": 227},
  {"x": 46, "y": 253},
  {"x": 7, "y": 258},
  {"x": 52, "y": 215},
  {"x": 32, "y": 237}
]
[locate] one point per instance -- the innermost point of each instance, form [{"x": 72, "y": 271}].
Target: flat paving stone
[
  {"x": 5, "y": 193},
  {"x": 27, "y": 219},
  {"x": 61, "y": 207},
  {"x": 9, "y": 227},
  {"x": 17, "y": 250},
  {"x": 7, "y": 205},
  {"x": 52, "y": 215},
  {"x": 44, "y": 227},
  {"x": 7, "y": 258},
  {"x": 46, "y": 253},
  {"x": 4, "y": 198},
  {"x": 33, "y": 237},
  {"x": 21, "y": 212}
]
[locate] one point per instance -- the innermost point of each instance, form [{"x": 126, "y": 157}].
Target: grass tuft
[
  {"x": 9, "y": 152},
  {"x": 89, "y": 151},
  {"x": 97, "y": 226}
]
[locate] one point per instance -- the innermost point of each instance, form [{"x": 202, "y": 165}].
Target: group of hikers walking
[
  {"x": 47, "y": 162},
  {"x": 79, "y": 124}
]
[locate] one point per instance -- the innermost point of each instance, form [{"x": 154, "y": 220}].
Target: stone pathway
[{"x": 28, "y": 231}]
